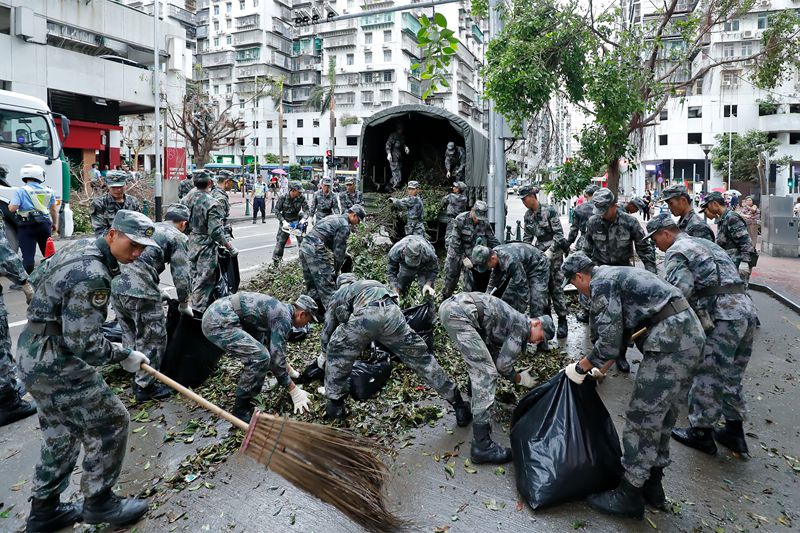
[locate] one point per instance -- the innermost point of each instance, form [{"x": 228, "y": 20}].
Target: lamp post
[{"x": 706, "y": 169}]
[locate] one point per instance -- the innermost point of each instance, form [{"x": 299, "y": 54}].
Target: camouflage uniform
[
  {"x": 323, "y": 205},
  {"x": 623, "y": 301},
  {"x": 12, "y": 268},
  {"x": 347, "y": 200},
  {"x": 462, "y": 237},
  {"x": 104, "y": 208},
  {"x": 136, "y": 297},
  {"x": 395, "y": 146},
  {"x": 612, "y": 243},
  {"x": 455, "y": 162},
  {"x": 185, "y": 187},
  {"x": 259, "y": 321},
  {"x": 364, "y": 312},
  {"x": 207, "y": 233},
  {"x": 223, "y": 200},
  {"x": 695, "y": 226},
  {"x": 732, "y": 236},
  {"x": 401, "y": 275},
  {"x": 580, "y": 218},
  {"x": 544, "y": 226},
  {"x": 57, "y": 354},
  {"x": 414, "y": 213},
  {"x": 287, "y": 209},
  {"x": 322, "y": 255},
  {"x": 695, "y": 266},
  {"x": 528, "y": 274}
]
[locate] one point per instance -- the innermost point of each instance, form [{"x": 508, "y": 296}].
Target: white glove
[
  {"x": 744, "y": 270},
  {"x": 133, "y": 363},
  {"x": 286, "y": 226},
  {"x": 573, "y": 375},
  {"x": 321, "y": 361},
  {"x": 232, "y": 250},
  {"x": 407, "y": 150},
  {"x": 389, "y": 157},
  {"x": 525, "y": 379},
  {"x": 165, "y": 295},
  {"x": 186, "y": 309},
  {"x": 294, "y": 374},
  {"x": 427, "y": 290},
  {"x": 302, "y": 221},
  {"x": 321, "y": 390},
  {"x": 596, "y": 373},
  {"x": 27, "y": 288},
  {"x": 300, "y": 399},
  {"x": 448, "y": 173},
  {"x": 467, "y": 263},
  {"x": 548, "y": 254}
]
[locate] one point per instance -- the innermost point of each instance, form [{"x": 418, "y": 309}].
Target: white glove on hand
[
  {"x": 300, "y": 399},
  {"x": 548, "y": 254},
  {"x": 467, "y": 262},
  {"x": 448, "y": 173},
  {"x": 286, "y": 226},
  {"x": 573, "y": 375},
  {"x": 744, "y": 270},
  {"x": 133, "y": 363},
  {"x": 233, "y": 251},
  {"x": 294, "y": 374},
  {"x": 27, "y": 288},
  {"x": 321, "y": 361},
  {"x": 389, "y": 157},
  {"x": 321, "y": 390},
  {"x": 525, "y": 379},
  {"x": 427, "y": 290},
  {"x": 596, "y": 373},
  {"x": 407, "y": 150}
]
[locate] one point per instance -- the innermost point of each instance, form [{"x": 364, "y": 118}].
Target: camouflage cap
[
  {"x": 712, "y": 197},
  {"x": 295, "y": 186},
  {"x": 573, "y": 264},
  {"x": 177, "y": 212},
  {"x": 480, "y": 210},
  {"x": 306, "y": 303},
  {"x": 548, "y": 326},
  {"x": 358, "y": 210},
  {"x": 480, "y": 255},
  {"x": 224, "y": 175},
  {"x": 639, "y": 203},
  {"x": 451, "y": 146},
  {"x": 413, "y": 184},
  {"x": 674, "y": 191},
  {"x": 327, "y": 181},
  {"x": 412, "y": 253},
  {"x": 116, "y": 178},
  {"x": 345, "y": 279},
  {"x": 460, "y": 185},
  {"x": 602, "y": 200},
  {"x": 590, "y": 190},
  {"x": 136, "y": 226},
  {"x": 660, "y": 221},
  {"x": 527, "y": 190},
  {"x": 348, "y": 180}
]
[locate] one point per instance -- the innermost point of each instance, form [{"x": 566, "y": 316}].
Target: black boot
[
  {"x": 154, "y": 391},
  {"x": 732, "y": 437},
  {"x": 561, "y": 332},
  {"x": 463, "y": 412},
  {"x": 626, "y": 500},
  {"x": 108, "y": 508},
  {"x": 583, "y": 316},
  {"x": 623, "y": 365},
  {"x": 243, "y": 409},
  {"x": 653, "y": 491},
  {"x": 484, "y": 449},
  {"x": 254, "y": 221},
  {"x": 697, "y": 438},
  {"x": 13, "y": 408},
  {"x": 51, "y": 515},
  {"x": 334, "y": 410}
]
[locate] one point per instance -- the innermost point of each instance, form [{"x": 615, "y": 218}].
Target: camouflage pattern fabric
[
  {"x": 528, "y": 272},
  {"x": 580, "y": 218},
  {"x": 264, "y": 321},
  {"x": 462, "y": 236},
  {"x": 414, "y": 212},
  {"x": 323, "y": 205},
  {"x": 732, "y": 236},
  {"x": 10, "y": 267},
  {"x": 695, "y": 226},
  {"x": 287, "y": 209},
  {"x": 395, "y": 146},
  {"x": 544, "y": 227},
  {"x": 347, "y": 200},
  {"x": 612, "y": 243},
  {"x": 144, "y": 328},
  {"x": 454, "y": 204},
  {"x": 185, "y": 187},
  {"x": 75, "y": 406},
  {"x": 104, "y": 208},
  {"x": 401, "y": 275},
  {"x": 322, "y": 254},
  {"x": 455, "y": 163},
  {"x": 224, "y": 201},
  {"x": 490, "y": 343}
]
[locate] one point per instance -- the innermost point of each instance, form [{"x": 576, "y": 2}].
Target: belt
[
  {"x": 236, "y": 303},
  {"x": 383, "y": 302},
  {"x": 49, "y": 328},
  {"x": 673, "y": 307},
  {"x": 481, "y": 310},
  {"x": 720, "y": 289}
]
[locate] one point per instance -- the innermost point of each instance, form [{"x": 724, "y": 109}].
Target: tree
[
  {"x": 137, "y": 135},
  {"x": 324, "y": 99},
  {"x": 438, "y": 45},
  {"x": 746, "y": 157}
]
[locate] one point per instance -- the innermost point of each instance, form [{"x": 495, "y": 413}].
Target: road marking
[{"x": 17, "y": 324}]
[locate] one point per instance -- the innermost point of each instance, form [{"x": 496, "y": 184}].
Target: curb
[{"x": 782, "y": 298}]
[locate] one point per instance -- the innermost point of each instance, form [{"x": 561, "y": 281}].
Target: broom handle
[{"x": 220, "y": 412}]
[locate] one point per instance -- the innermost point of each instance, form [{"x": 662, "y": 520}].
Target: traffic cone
[
  {"x": 289, "y": 241},
  {"x": 49, "y": 248}
]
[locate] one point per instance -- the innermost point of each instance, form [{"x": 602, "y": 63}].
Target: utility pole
[
  {"x": 157, "y": 118},
  {"x": 496, "y": 184}
]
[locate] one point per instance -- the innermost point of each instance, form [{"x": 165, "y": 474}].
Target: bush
[{"x": 80, "y": 217}]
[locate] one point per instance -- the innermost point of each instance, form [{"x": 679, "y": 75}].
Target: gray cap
[
  {"x": 116, "y": 178},
  {"x": 548, "y": 326},
  {"x": 451, "y": 145},
  {"x": 480, "y": 255},
  {"x": 295, "y": 186},
  {"x": 358, "y": 210},
  {"x": 527, "y": 190},
  {"x": 480, "y": 210},
  {"x": 345, "y": 279},
  {"x": 639, "y": 203},
  {"x": 590, "y": 190},
  {"x": 327, "y": 181},
  {"x": 350, "y": 179},
  {"x": 573, "y": 264},
  {"x": 412, "y": 253},
  {"x": 460, "y": 185},
  {"x": 177, "y": 212},
  {"x": 413, "y": 184},
  {"x": 306, "y": 303},
  {"x": 660, "y": 221},
  {"x": 602, "y": 200},
  {"x": 675, "y": 191},
  {"x": 712, "y": 197},
  {"x": 136, "y": 226}
]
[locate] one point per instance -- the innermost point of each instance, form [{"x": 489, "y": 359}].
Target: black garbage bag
[
  {"x": 310, "y": 373},
  {"x": 298, "y": 334},
  {"x": 112, "y": 331},
  {"x": 564, "y": 444},
  {"x": 369, "y": 377},
  {"x": 227, "y": 275},
  {"x": 421, "y": 318},
  {"x": 190, "y": 358}
]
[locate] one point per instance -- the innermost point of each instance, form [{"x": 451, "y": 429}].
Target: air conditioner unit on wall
[{"x": 747, "y": 34}]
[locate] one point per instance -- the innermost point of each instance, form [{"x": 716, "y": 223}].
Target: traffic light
[{"x": 791, "y": 184}]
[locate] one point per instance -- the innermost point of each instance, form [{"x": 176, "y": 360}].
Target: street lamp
[{"x": 706, "y": 169}]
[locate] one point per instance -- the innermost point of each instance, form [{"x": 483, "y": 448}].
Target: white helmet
[{"x": 32, "y": 172}]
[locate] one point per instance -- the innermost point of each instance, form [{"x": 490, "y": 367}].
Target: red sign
[{"x": 175, "y": 163}]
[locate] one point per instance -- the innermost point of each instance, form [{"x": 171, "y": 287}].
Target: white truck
[{"x": 28, "y": 135}]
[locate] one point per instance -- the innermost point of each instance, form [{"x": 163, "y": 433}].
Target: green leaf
[
  {"x": 444, "y": 82},
  {"x": 426, "y": 75},
  {"x": 499, "y": 471},
  {"x": 449, "y": 51},
  {"x": 440, "y": 20},
  {"x": 414, "y": 66}
]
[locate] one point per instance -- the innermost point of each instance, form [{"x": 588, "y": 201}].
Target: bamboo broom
[{"x": 335, "y": 466}]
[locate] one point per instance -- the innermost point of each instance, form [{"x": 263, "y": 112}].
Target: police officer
[
  {"x": 364, "y": 312},
  {"x": 254, "y": 327},
  {"x": 680, "y": 205},
  {"x": 395, "y": 147},
  {"x": 350, "y": 196},
  {"x": 289, "y": 209},
  {"x": 732, "y": 235},
  {"x": 543, "y": 226},
  {"x": 455, "y": 203},
  {"x": 480, "y": 325},
  {"x": 36, "y": 213},
  {"x": 412, "y": 257},
  {"x": 185, "y": 187},
  {"x": 455, "y": 161},
  {"x": 580, "y": 217},
  {"x": 522, "y": 268},
  {"x": 105, "y": 207},
  {"x": 136, "y": 297},
  {"x": 220, "y": 193},
  {"x": 414, "y": 209},
  {"x": 58, "y": 354},
  {"x": 625, "y": 300},
  {"x": 259, "y": 199},
  {"x": 324, "y": 201},
  {"x": 466, "y": 231},
  {"x": 707, "y": 277}
]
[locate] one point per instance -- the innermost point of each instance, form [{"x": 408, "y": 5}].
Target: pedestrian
[
  {"x": 254, "y": 328},
  {"x": 648, "y": 204},
  {"x": 136, "y": 297},
  {"x": 456, "y": 202},
  {"x": 350, "y": 196},
  {"x": 395, "y": 149},
  {"x": 466, "y": 231},
  {"x": 625, "y": 300},
  {"x": 708, "y": 279},
  {"x": 796, "y": 208},
  {"x": 324, "y": 201},
  {"x": 680, "y": 205},
  {"x": 490, "y": 335},
  {"x": 580, "y": 216},
  {"x": 219, "y": 192},
  {"x": 259, "y": 198},
  {"x": 734, "y": 201},
  {"x": 105, "y": 207},
  {"x": 185, "y": 187},
  {"x": 412, "y": 203},
  {"x": 412, "y": 258},
  {"x": 96, "y": 179},
  {"x": 455, "y": 161},
  {"x": 363, "y": 312},
  {"x": 290, "y": 209},
  {"x": 752, "y": 217},
  {"x": 543, "y": 230},
  {"x": 732, "y": 234},
  {"x": 59, "y": 352},
  {"x": 36, "y": 214},
  {"x": 324, "y": 250}
]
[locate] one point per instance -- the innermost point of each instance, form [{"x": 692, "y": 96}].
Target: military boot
[
  {"x": 484, "y": 449},
  {"x": 51, "y": 515},
  {"x": 653, "y": 491},
  {"x": 334, "y": 410},
  {"x": 463, "y": 411},
  {"x": 697, "y": 438},
  {"x": 13, "y": 408},
  {"x": 108, "y": 508},
  {"x": 154, "y": 391},
  {"x": 243, "y": 409},
  {"x": 561, "y": 332},
  {"x": 623, "y": 365},
  {"x": 732, "y": 437},
  {"x": 626, "y": 500},
  {"x": 583, "y": 316}
]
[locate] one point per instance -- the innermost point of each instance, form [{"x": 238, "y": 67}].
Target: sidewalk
[
  {"x": 239, "y": 206},
  {"x": 781, "y": 274}
]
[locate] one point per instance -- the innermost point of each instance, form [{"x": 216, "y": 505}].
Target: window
[
  {"x": 732, "y": 25},
  {"x": 386, "y": 95},
  {"x": 228, "y": 23},
  {"x": 315, "y": 141},
  {"x": 387, "y": 56},
  {"x": 216, "y": 89},
  {"x": 241, "y": 4},
  {"x": 730, "y": 111},
  {"x": 255, "y": 141},
  {"x": 730, "y": 78},
  {"x": 216, "y": 25},
  {"x": 216, "y": 10},
  {"x": 255, "y": 124},
  {"x": 772, "y": 136},
  {"x": 698, "y": 86},
  {"x": 299, "y": 122},
  {"x": 255, "y": 3},
  {"x": 367, "y": 57},
  {"x": 299, "y": 141},
  {"x": 367, "y": 38},
  {"x": 315, "y": 123},
  {"x": 228, "y": 39},
  {"x": 763, "y": 21},
  {"x": 388, "y": 75},
  {"x": 662, "y": 140},
  {"x": 228, "y": 7},
  {"x": 747, "y": 48},
  {"x": 663, "y": 115},
  {"x": 387, "y": 36},
  {"x": 352, "y": 140},
  {"x": 269, "y": 124},
  {"x": 351, "y": 58},
  {"x": 366, "y": 96},
  {"x": 695, "y": 138},
  {"x": 794, "y": 108},
  {"x": 284, "y": 125},
  {"x": 695, "y": 112},
  {"x": 794, "y": 137},
  {"x": 728, "y": 50},
  {"x": 241, "y": 105},
  {"x": 216, "y": 42}
]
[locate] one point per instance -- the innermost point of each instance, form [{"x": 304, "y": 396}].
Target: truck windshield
[{"x": 27, "y": 132}]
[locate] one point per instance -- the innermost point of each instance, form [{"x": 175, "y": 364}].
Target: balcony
[
  {"x": 410, "y": 25},
  {"x": 307, "y": 65},
  {"x": 780, "y": 122},
  {"x": 465, "y": 109},
  {"x": 249, "y": 37},
  {"x": 408, "y": 98},
  {"x": 344, "y": 41},
  {"x": 375, "y": 21},
  {"x": 260, "y": 70},
  {"x": 466, "y": 92},
  {"x": 201, "y": 18},
  {"x": 248, "y": 55},
  {"x": 216, "y": 59},
  {"x": 466, "y": 57},
  {"x": 218, "y": 73},
  {"x": 338, "y": 27},
  {"x": 247, "y": 22},
  {"x": 375, "y": 4},
  {"x": 410, "y": 46},
  {"x": 182, "y": 15},
  {"x": 278, "y": 43},
  {"x": 202, "y": 32},
  {"x": 306, "y": 78}
]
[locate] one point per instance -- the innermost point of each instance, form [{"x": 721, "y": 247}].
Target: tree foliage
[
  {"x": 746, "y": 156},
  {"x": 438, "y": 45}
]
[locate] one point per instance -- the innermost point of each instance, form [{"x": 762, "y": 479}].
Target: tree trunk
[
  {"x": 613, "y": 176},
  {"x": 333, "y": 133}
]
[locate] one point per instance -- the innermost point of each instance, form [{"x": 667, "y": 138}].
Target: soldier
[
  {"x": 290, "y": 208},
  {"x": 732, "y": 235},
  {"x": 220, "y": 193},
  {"x": 414, "y": 209},
  {"x": 466, "y": 230},
  {"x": 364, "y": 312},
  {"x": 58, "y": 352},
  {"x": 324, "y": 201},
  {"x": 259, "y": 198},
  {"x": 207, "y": 232},
  {"x": 455, "y": 203},
  {"x": 185, "y": 187},
  {"x": 625, "y": 300},
  {"x": 523, "y": 268},
  {"x": 136, "y": 297},
  {"x": 580, "y": 217},
  {"x": 543, "y": 226},
  {"x": 480, "y": 325},
  {"x": 395, "y": 146},
  {"x": 350, "y": 196},
  {"x": 254, "y": 327},
  {"x": 105, "y": 207},
  {"x": 412, "y": 257},
  {"x": 455, "y": 161},
  {"x": 708, "y": 278},
  {"x": 680, "y": 205},
  {"x": 324, "y": 250},
  {"x": 634, "y": 205}
]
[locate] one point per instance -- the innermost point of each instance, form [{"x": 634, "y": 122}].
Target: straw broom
[{"x": 335, "y": 466}]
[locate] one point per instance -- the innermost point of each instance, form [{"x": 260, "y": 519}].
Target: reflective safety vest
[
  {"x": 40, "y": 199},
  {"x": 259, "y": 190}
]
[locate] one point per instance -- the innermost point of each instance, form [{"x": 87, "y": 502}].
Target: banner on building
[{"x": 175, "y": 167}]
